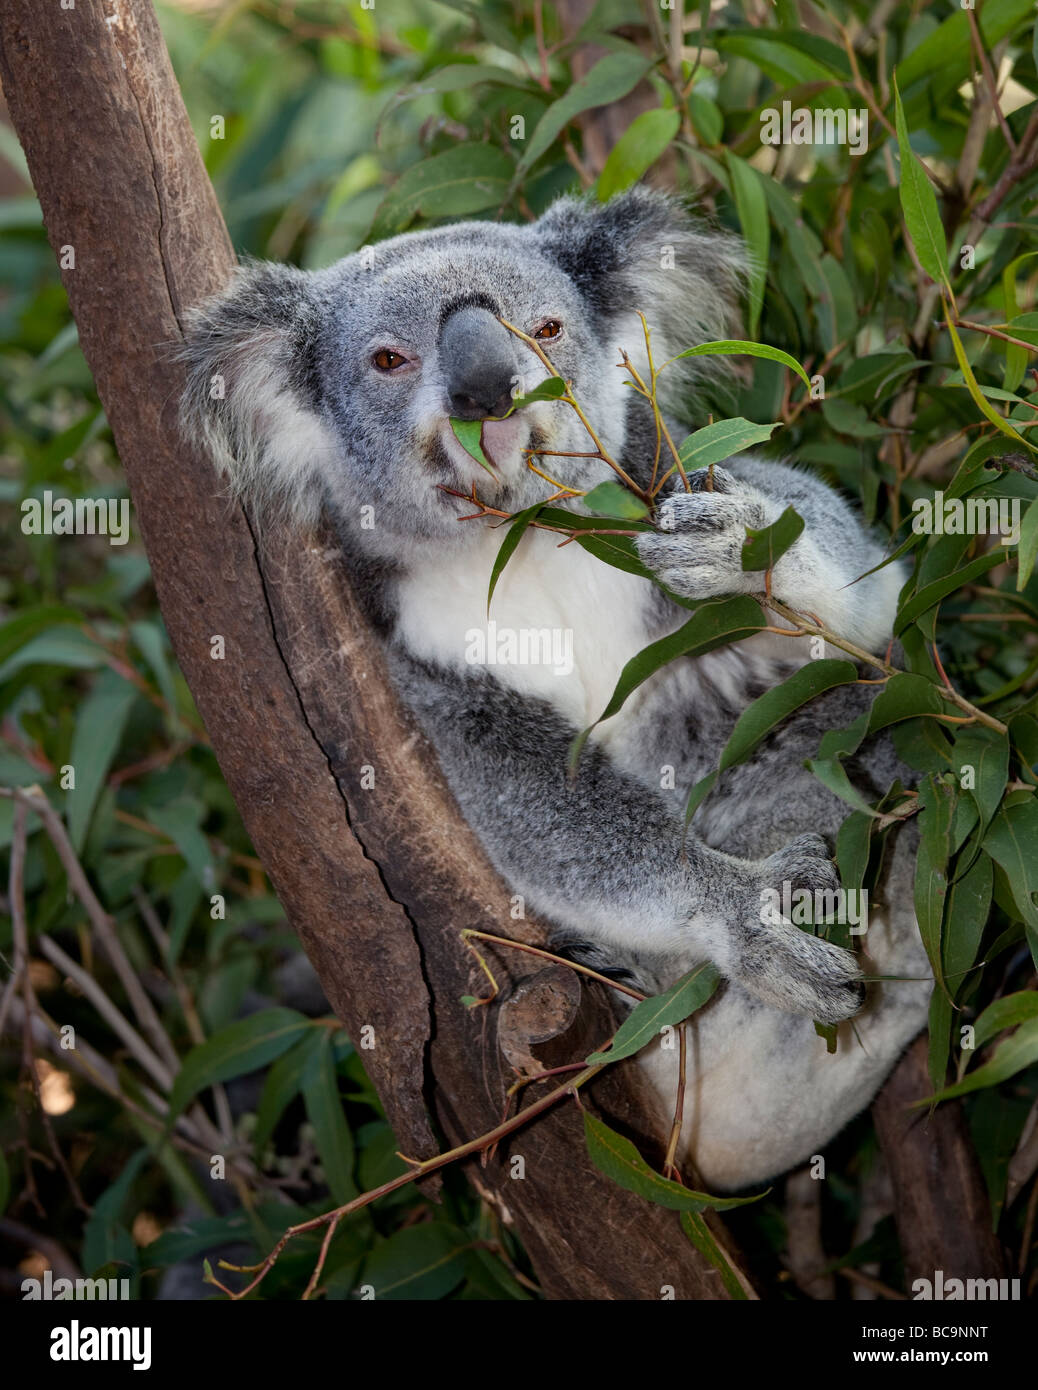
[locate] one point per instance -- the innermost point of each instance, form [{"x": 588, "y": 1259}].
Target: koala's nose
[{"x": 478, "y": 359}]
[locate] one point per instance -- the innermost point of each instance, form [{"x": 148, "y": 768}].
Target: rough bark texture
[
  {"x": 377, "y": 883},
  {"x": 941, "y": 1204}
]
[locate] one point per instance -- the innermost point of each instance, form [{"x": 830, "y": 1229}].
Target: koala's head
[{"x": 331, "y": 391}]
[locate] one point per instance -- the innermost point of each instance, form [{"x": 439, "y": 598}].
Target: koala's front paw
[
  {"x": 696, "y": 550},
  {"x": 789, "y": 968}
]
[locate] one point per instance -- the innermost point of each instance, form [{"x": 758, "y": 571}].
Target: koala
[{"x": 336, "y": 388}]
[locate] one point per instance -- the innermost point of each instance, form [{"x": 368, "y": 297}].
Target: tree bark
[
  {"x": 940, "y": 1202},
  {"x": 377, "y": 883}
]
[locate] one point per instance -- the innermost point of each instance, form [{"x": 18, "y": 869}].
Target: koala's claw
[
  {"x": 696, "y": 549},
  {"x": 789, "y": 968}
]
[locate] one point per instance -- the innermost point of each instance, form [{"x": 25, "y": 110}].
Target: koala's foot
[
  {"x": 789, "y": 968},
  {"x": 696, "y": 550}
]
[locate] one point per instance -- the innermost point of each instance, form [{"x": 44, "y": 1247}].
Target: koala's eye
[
  {"x": 549, "y": 331},
  {"x": 386, "y": 360}
]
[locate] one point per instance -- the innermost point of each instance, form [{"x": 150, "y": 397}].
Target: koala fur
[{"x": 309, "y": 421}]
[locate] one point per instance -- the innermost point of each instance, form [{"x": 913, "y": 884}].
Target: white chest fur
[{"x": 560, "y": 628}]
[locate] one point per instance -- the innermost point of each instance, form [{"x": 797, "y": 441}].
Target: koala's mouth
[{"x": 506, "y": 444}]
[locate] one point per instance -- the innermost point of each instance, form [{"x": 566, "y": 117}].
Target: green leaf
[
  {"x": 617, "y": 551},
  {"x": 771, "y": 708},
  {"x": 1016, "y": 358},
  {"x": 324, "y": 1107},
  {"x": 552, "y": 388},
  {"x": 468, "y": 178},
  {"x": 830, "y": 772},
  {"x": 456, "y": 77},
  {"x": 841, "y": 743},
  {"x": 181, "y": 821},
  {"x": 699, "y": 1233},
  {"x": 151, "y": 642},
  {"x": 938, "y": 1038},
  {"x": 1007, "y": 1012},
  {"x": 931, "y": 890},
  {"x": 699, "y": 793},
  {"x": 60, "y": 646},
  {"x": 642, "y": 143},
  {"x": 1017, "y": 1052},
  {"x": 904, "y": 696},
  {"x": 643, "y": 1024},
  {"x": 947, "y": 49},
  {"x": 419, "y": 1262},
  {"x": 977, "y": 395},
  {"x": 618, "y": 1159},
  {"x": 469, "y": 434},
  {"x": 987, "y": 753},
  {"x": 719, "y": 441},
  {"x": 513, "y": 536},
  {"x": 752, "y": 208},
  {"x": 762, "y": 548},
  {"x": 741, "y": 347},
  {"x": 614, "y": 500},
  {"x": 1028, "y": 548},
  {"x": 105, "y": 1238},
  {"x": 931, "y": 594},
  {"x": 712, "y": 625},
  {"x": 1010, "y": 841},
  {"x": 100, "y": 722},
  {"x": 937, "y": 800},
  {"x": 611, "y": 78},
  {"x": 243, "y": 1046},
  {"x": 284, "y": 1080},
  {"x": 26, "y": 624},
  {"x": 707, "y": 118},
  {"x": 919, "y": 205},
  {"x": 789, "y": 59},
  {"x": 853, "y": 847}
]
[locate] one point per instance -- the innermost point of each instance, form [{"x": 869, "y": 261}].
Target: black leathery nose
[{"x": 479, "y": 364}]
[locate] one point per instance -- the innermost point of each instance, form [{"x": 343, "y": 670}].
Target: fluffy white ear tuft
[
  {"x": 252, "y": 399},
  {"x": 644, "y": 251}
]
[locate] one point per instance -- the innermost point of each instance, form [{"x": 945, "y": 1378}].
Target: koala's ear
[
  {"x": 252, "y": 398},
  {"x": 644, "y": 251}
]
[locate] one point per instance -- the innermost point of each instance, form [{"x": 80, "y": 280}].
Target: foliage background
[{"x": 341, "y": 125}]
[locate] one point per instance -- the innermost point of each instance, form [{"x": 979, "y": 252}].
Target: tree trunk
[{"x": 378, "y": 883}]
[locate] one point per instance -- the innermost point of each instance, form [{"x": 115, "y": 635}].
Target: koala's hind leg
[{"x": 762, "y": 1093}]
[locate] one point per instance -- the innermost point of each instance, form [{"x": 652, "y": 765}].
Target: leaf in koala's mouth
[{"x": 469, "y": 434}]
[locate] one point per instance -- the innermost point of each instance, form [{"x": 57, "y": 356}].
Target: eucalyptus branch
[
  {"x": 418, "y": 1169},
  {"x": 670, "y": 1168},
  {"x": 557, "y": 960},
  {"x": 570, "y": 532},
  {"x": 571, "y": 400},
  {"x": 996, "y": 333},
  {"x": 810, "y": 627},
  {"x": 651, "y": 395}
]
